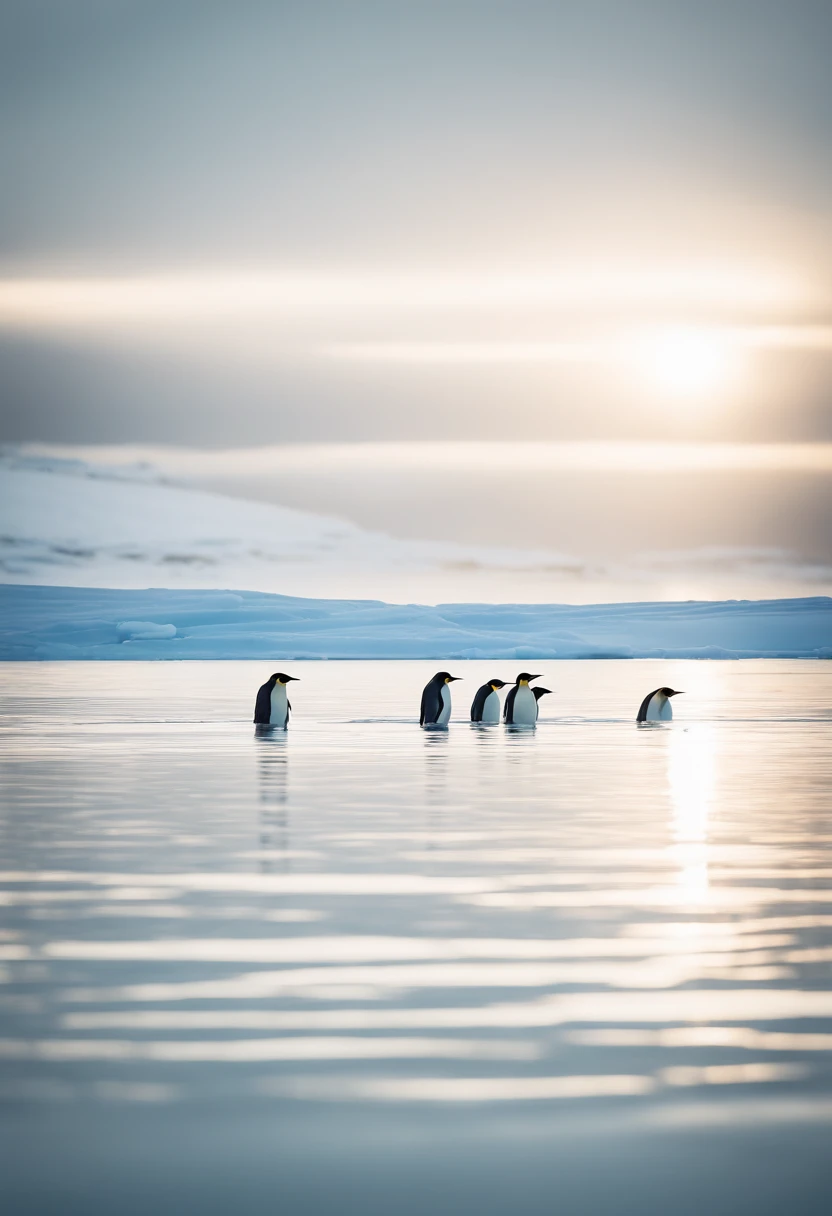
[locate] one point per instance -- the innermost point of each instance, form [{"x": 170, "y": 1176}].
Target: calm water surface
[{"x": 362, "y": 967}]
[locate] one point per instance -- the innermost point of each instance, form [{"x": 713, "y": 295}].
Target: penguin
[
  {"x": 436, "y": 700},
  {"x": 273, "y": 706},
  {"x": 521, "y": 706},
  {"x": 486, "y": 705},
  {"x": 656, "y": 706},
  {"x": 537, "y": 693}
]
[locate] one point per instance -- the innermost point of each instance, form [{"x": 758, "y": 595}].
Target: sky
[{"x": 228, "y": 225}]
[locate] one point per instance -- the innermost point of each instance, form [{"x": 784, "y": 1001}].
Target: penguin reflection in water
[
  {"x": 486, "y": 704},
  {"x": 521, "y": 703},
  {"x": 656, "y": 705},
  {"x": 273, "y": 706},
  {"x": 436, "y": 700}
]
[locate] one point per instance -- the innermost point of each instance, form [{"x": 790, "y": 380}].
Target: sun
[{"x": 687, "y": 364}]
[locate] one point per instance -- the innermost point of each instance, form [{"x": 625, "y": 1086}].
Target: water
[{"x": 363, "y": 967}]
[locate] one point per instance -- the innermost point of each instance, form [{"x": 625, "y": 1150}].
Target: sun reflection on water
[{"x": 691, "y": 770}]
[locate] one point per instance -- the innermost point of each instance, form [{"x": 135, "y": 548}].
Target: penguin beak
[
  {"x": 537, "y": 677},
  {"x": 451, "y": 679},
  {"x": 677, "y": 692},
  {"x": 295, "y": 678}
]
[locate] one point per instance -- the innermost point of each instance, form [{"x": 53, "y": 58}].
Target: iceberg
[{"x": 47, "y": 622}]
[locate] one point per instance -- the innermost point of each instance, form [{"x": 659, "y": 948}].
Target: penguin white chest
[
  {"x": 525, "y": 707},
  {"x": 280, "y": 706},
  {"x": 659, "y": 709},
  {"x": 445, "y": 711},
  {"x": 491, "y": 709}
]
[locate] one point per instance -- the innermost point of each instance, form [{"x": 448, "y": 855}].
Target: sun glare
[{"x": 688, "y": 364}]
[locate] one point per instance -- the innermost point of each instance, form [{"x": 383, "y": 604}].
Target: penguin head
[
  {"x": 540, "y": 692},
  {"x": 671, "y": 692},
  {"x": 280, "y": 677},
  {"x": 445, "y": 677},
  {"x": 525, "y": 678},
  {"x": 496, "y": 685}
]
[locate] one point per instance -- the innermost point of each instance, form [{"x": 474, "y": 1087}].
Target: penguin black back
[{"x": 263, "y": 704}]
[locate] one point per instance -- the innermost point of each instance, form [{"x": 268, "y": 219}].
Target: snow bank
[
  {"x": 70, "y": 522},
  {"x": 76, "y": 523},
  {"x": 90, "y": 623}
]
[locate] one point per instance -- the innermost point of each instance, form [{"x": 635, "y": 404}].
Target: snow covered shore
[
  {"x": 91, "y": 623},
  {"x": 77, "y": 522},
  {"x": 74, "y": 523}
]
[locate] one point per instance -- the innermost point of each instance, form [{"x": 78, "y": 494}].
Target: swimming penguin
[
  {"x": 486, "y": 704},
  {"x": 273, "y": 706},
  {"x": 436, "y": 700},
  {"x": 537, "y": 693},
  {"x": 521, "y": 706},
  {"x": 656, "y": 706}
]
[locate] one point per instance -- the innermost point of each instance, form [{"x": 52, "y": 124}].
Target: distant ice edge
[{"x": 48, "y": 623}]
